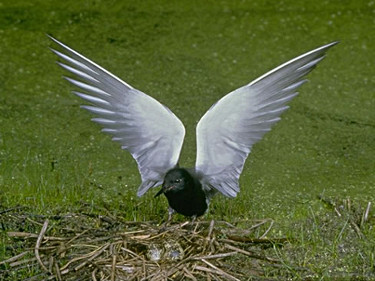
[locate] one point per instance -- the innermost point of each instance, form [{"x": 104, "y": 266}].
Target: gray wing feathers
[
  {"x": 143, "y": 126},
  {"x": 226, "y": 133}
]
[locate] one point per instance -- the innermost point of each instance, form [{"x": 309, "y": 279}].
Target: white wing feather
[
  {"x": 226, "y": 133},
  {"x": 147, "y": 129}
]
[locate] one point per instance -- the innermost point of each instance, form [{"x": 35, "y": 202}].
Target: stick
[
  {"x": 33, "y": 235},
  {"x": 12, "y": 259},
  {"x": 356, "y": 228},
  {"x": 259, "y": 224},
  {"x": 366, "y": 214},
  {"x": 11, "y": 209},
  {"x": 144, "y": 269},
  {"x": 250, "y": 254},
  {"x": 113, "y": 273},
  {"x": 217, "y": 256},
  {"x": 131, "y": 232},
  {"x": 216, "y": 271},
  {"x": 268, "y": 230},
  {"x": 37, "y": 245},
  {"x": 58, "y": 273},
  {"x": 234, "y": 239},
  {"x": 210, "y": 230},
  {"x": 51, "y": 262},
  {"x": 189, "y": 274},
  {"x": 77, "y": 259},
  {"x": 172, "y": 228},
  {"x": 78, "y": 235},
  {"x": 220, "y": 271},
  {"x": 95, "y": 254},
  {"x": 17, "y": 263},
  {"x": 217, "y": 222},
  {"x": 22, "y": 234},
  {"x": 93, "y": 274},
  {"x": 131, "y": 252}
]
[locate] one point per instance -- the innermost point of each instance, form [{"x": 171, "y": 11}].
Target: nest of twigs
[{"x": 108, "y": 250}]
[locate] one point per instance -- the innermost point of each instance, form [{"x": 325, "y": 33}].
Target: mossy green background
[{"x": 187, "y": 55}]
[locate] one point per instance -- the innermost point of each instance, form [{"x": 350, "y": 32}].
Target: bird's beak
[
  {"x": 160, "y": 192},
  {"x": 164, "y": 190}
]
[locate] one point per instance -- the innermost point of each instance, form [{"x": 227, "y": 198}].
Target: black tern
[{"x": 154, "y": 135}]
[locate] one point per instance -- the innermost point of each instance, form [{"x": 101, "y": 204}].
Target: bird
[{"x": 154, "y": 135}]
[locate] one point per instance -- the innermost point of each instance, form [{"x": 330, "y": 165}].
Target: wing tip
[
  {"x": 232, "y": 195},
  {"x": 333, "y": 43},
  {"x": 324, "y": 47},
  {"x": 55, "y": 41},
  {"x": 145, "y": 186},
  {"x": 50, "y": 37},
  {"x": 141, "y": 192},
  {"x": 229, "y": 190}
]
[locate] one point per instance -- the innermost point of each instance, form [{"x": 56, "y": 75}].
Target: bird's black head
[{"x": 176, "y": 180}]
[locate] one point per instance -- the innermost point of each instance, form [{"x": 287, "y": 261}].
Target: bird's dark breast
[{"x": 187, "y": 204}]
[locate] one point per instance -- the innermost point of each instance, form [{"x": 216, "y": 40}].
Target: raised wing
[
  {"x": 147, "y": 129},
  {"x": 227, "y": 131}
]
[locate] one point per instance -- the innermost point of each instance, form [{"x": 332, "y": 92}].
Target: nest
[{"x": 108, "y": 250}]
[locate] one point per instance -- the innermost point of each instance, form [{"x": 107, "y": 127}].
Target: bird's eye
[{"x": 177, "y": 180}]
